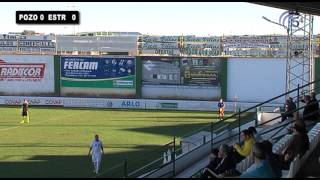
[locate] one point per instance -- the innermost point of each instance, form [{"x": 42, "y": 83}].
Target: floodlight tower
[{"x": 300, "y": 56}]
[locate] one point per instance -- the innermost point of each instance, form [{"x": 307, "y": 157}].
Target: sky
[{"x": 154, "y": 18}]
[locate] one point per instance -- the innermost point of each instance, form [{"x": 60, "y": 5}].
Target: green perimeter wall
[
  {"x": 56, "y": 75},
  {"x": 138, "y": 76},
  {"x": 224, "y": 78}
]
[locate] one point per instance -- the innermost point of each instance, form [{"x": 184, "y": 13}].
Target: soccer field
[{"x": 56, "y": 142}]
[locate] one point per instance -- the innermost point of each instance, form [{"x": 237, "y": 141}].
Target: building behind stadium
[{"x": 134, "y": 43}]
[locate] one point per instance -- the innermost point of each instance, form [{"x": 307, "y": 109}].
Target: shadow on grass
[
  {"x": 78, "y": 166},
  {"x": 184, "y": 130},
  {"x": 178, "y": 130},
  {"x": 45, "y": 145}
]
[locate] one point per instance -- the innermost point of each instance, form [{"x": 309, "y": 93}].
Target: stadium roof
[{"x": 304, "y": 7}]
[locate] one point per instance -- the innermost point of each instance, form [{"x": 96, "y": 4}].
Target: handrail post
[
  {"x": 239, "y": 124},
  {"x": 211, "y": 135},
  {"x": 298, "y": 102},
  {"x": 258, "y": 109},
  {"x": 173, "y": 157},
  {"x": 204, "y": 139},
  {"x": 125, "y": 168}
]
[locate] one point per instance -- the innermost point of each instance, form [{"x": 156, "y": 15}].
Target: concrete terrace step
[{"x": 187, "y": 173}]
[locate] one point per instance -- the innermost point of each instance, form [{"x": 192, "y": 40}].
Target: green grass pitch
[{"x": 56, "y": 142}]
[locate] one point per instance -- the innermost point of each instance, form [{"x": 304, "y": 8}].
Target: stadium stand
[
  {"x": 278, "y": 147},
  {"x": 295, "y": 165}
]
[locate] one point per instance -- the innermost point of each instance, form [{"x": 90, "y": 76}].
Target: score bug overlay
[{"x": 47, "y": 17}]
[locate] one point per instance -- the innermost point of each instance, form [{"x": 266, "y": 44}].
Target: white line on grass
[
  {"x": 9, "y": 128},
  {"x": 70, "y": 115}
]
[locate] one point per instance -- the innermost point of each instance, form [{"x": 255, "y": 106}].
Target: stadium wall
[
  {"x": 247, "y": 78},
  {"x": 31, "y": 75},
  {"x": 180, "y": 92},
  {"x": 256, "y": 79},
  {"x": 125, "y": 103}
]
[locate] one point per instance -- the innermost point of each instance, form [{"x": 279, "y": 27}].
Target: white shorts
[{"x": 96, "y": 157}]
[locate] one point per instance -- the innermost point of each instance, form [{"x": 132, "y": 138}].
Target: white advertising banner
[
  {"x": 39, "y": 101},
  {"x": 104, "y": 103},
  {"x": 250, "y": 79},
  {"x": 26, "y": 75}
]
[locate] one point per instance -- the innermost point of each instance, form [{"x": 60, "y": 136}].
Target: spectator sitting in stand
[
  {"x": 315, "y": 104},
  {"x": 309, "y": 112},
  {"x": 298, "y": 145},
  {"x": 289, "y": 107},
  {"x": 244, "y": 150},
  {"x": 227, "y": 165},
  {"x": 261, "y": 167},
  {"x": 214, "y": 161},
  {"x": 257, "y": 137},
  {"x": 272, "y": 158}
]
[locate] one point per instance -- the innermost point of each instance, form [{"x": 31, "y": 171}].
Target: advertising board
[
  {"x": 26, "y": 75},
  {"x": 160, "y": 70},
  {"x": 200, "y": 71},
  {"x": 97, "y": 76}
]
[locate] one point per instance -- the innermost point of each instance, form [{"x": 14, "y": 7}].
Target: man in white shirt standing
[{"x": 97, "y": 151}]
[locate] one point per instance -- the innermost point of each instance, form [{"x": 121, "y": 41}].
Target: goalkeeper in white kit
[{"x": 97, "y": 152}]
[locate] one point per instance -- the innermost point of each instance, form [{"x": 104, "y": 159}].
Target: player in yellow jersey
[{"x": 25, "y": 112}]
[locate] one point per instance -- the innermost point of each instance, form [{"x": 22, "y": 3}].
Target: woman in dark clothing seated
[
  {"x": 214, "y": 162},
  {"x": 227, "y": 165},
  {"x": 299, "y": 145},
  {"x": 311, "y": 110}
]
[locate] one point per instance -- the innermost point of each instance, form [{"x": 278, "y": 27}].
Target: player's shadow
[{"x": 79, "y": 166}]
